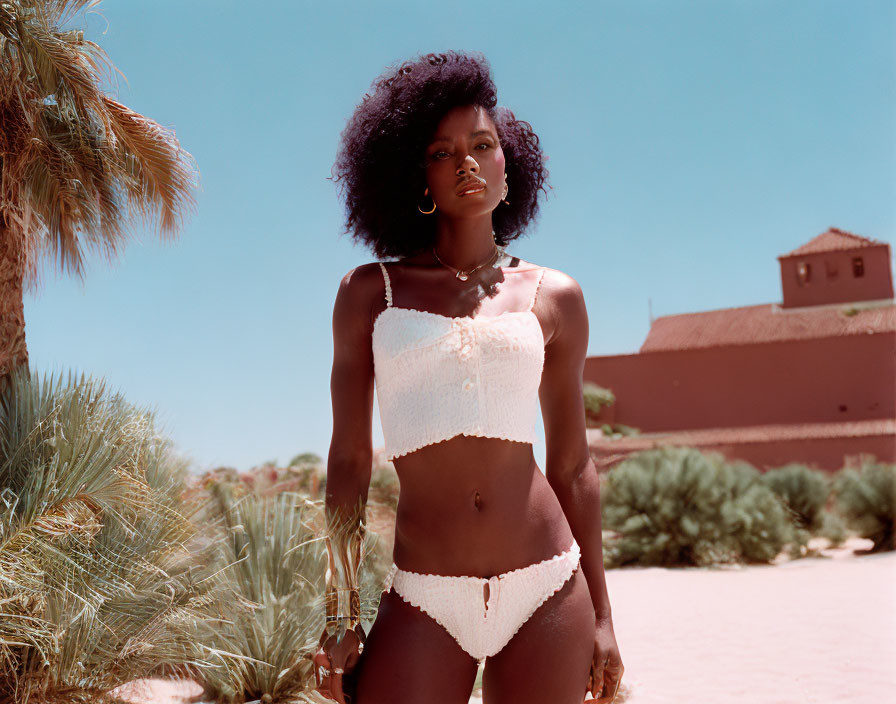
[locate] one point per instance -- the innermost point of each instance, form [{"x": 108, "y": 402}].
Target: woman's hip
[{"x": 560, "y": 565}]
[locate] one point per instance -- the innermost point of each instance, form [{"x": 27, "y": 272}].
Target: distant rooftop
[
  {"x": 832, "y": 240},
  {"x": 767, "y": 322}
]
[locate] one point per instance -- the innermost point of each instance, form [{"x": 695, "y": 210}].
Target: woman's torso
[{"x": 475, "y": 506}]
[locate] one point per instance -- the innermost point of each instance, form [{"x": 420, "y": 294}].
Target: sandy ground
[
  {"x": 158, "y": 691},
  {"x": 819, "y": 629}
]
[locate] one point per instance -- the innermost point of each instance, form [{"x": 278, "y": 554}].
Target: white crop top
[{"x": 438, "y": 377}]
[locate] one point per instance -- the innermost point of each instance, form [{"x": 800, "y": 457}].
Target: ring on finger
[{"x": 338, "y": 670}]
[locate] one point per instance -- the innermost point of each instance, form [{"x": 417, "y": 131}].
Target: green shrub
[
  {"x": 619, "y": 430},
  {"x": 833, "y": 527},
  {"x": 96, "y": 573},
  {"x": 867, "y": 501},
  {"x": 596, "y": 397},
  {"x": 804, "y": 493},
  {"x": 678, "y": 506},
  {"x": 311, "y": 480},
  {"x": 263, "y": 624},
  {"x": 306, "y": 458}
]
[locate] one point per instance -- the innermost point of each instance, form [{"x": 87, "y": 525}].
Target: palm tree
[{"x": 73, "y": 162}]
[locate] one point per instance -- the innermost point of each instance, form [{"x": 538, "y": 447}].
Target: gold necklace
[{"x": 464, "y": 275}]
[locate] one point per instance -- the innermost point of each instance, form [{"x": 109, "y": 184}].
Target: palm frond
[
  {"x": 97, "y": 572},
  {"x": 76, "y": 162},
  {"x": 158, "y": 173}
]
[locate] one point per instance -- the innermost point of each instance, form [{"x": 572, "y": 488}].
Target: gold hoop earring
[
  {"x": 427, "y": 212},
  {"x": 504, "y": 195}
]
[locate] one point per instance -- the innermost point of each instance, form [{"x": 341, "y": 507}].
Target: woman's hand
[
  {"x": 337, "y": 661},
  {"x": 606, "y": 667}
]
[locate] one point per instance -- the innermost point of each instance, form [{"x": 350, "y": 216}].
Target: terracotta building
[{"x": 811, "y": 379}]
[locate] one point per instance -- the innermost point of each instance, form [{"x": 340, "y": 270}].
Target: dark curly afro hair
[{"x": 389, "y": 132}]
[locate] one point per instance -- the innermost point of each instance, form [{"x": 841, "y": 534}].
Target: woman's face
[{"x": 464, "y": 148}]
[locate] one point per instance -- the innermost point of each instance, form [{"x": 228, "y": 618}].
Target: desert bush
[
  {"x": 619, "y": 430},
  {"x": 384, "y": 485},
  {"x": 306, "y": 458},
  {"x": 309, "y": 480},
  {"x": 804, "y": 492},
  {"x": 596, "y": 397},
  {"x": 265, "y": 480},
  {"x": 263, "y": 625},
  {"x": 310, "y": 469},
  {"x": 866, "y": 498},
  {"x": 96, "y": 576},
  {"x": 678, "y": 506},
  {"x": 833, "y": 527}
]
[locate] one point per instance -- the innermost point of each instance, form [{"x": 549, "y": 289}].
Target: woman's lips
[{"x": 469, "y": 190}]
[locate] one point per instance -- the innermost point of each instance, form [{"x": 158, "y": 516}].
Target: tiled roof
[
  {"x": 767, "y": 322},
  {"x": 830, "y": 241},
  {"x": 755, "y": 434}
]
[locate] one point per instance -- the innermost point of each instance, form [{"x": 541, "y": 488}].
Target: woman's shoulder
[
  {"x": 562, "y": 292},
  {"x": 363, "y": 276},
  {"x": 554, "y": 278},
  {"x": 361, "y": 285}
]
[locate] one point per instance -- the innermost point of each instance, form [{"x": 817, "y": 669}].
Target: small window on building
[
  {"x": 858, "y": 267},
  {"x": 803, "y": 273},
  {"x": 830, "y": 268}
]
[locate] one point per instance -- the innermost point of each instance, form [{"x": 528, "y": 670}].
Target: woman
[{"x": 493, "y": 558}]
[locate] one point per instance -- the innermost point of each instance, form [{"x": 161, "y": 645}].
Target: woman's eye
[{"x": 442, "y": 154}]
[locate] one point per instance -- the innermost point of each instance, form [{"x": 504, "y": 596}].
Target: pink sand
[
  {"x": 156, "y": 691},
  {"x": 819, "y": 629}
]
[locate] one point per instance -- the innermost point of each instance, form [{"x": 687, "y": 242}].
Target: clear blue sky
[{"x": 689, "y": 144}]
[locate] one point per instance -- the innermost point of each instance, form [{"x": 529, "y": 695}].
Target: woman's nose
[{"x": 469, "y": 164}]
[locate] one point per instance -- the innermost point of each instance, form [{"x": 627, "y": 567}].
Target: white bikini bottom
[{"x": 458, "y": 604}]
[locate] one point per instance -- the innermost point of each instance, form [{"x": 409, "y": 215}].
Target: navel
[{"x": 477, "y": 500}]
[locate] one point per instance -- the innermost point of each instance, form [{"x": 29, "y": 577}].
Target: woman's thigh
[
  {"x": 408, "y": 657},
  {"x": 549, "y": 658}
]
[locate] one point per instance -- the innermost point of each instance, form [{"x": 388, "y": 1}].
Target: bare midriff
[
  {"x": 473, "y": 506},
  {"x": 478, "y": 507}
]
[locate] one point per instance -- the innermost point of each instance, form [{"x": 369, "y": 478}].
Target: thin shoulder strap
[
  {"x": 537, "y": 287},
  {"x": 388, "y": 285}
]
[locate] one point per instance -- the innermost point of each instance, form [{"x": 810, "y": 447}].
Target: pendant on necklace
[{"x": 462, "y": 276}]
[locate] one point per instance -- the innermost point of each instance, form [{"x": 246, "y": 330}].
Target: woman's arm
[
  {"x": 569, "y": 468},
  {"x": 350, "y": 457},
  {"x": 348, "y": 477}
]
